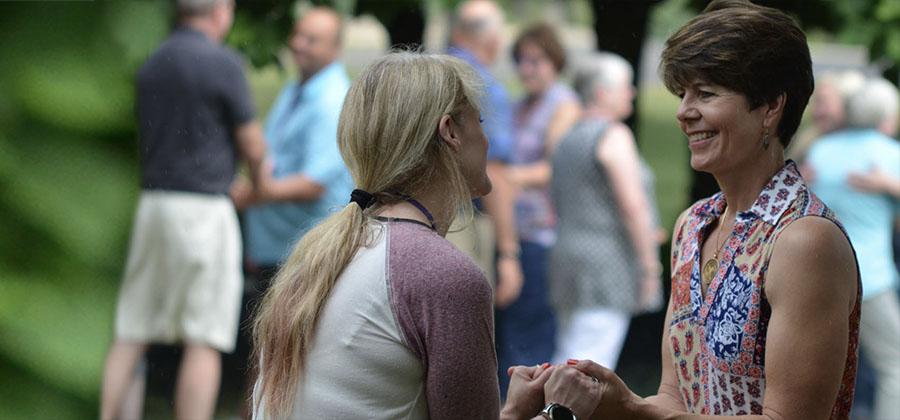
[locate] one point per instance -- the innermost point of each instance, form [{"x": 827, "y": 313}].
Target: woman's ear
[
  {"x": 774, "y": 112},
  {"x": 449, "y": 132}
]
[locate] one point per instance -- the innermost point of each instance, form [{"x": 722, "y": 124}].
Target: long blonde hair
[{"x": 389, "y": 140}]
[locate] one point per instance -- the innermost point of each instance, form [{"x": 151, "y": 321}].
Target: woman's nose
[{"x": 686, "y": 111}]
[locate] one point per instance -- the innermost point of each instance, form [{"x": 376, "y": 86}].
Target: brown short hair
[
  {"x": 544, "y": 37},
  {"x": 757, "y": 51}
]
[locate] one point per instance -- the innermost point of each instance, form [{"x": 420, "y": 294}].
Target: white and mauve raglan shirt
[{"x": 407, "y": 333}]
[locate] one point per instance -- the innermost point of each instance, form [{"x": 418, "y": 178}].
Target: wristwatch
[{"x": 554, "y": 411}]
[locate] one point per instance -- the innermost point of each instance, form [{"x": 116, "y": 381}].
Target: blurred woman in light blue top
[{"x": 857, "y": 174}]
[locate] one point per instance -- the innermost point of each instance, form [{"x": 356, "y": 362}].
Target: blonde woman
[{"x": 375, "y": 314}]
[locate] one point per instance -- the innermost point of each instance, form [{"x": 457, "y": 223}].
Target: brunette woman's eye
[{"x": 705, "y": 94}]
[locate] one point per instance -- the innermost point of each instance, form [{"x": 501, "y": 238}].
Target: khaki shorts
[
  {"x": 183, "y": 277},
  {"x": 477, "y": 240}
]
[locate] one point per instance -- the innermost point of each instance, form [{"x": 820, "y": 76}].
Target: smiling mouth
[{"x": 701, "y": 136}]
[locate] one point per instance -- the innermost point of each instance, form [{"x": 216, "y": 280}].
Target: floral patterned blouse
[{"x": 718, "y": 342}]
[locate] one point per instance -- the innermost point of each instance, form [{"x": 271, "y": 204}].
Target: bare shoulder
[
  {"x": 679, "y": 221},
  {"x": 677, "y": 234},
  {"x": 567, "y": 107},
  {"x": 616, "y": 140},
  {"x": 678, "y": 227},
  {"x": 812, "y": 258},
  {"x": 619, "y": 132},
  {"x": 816, "y": 239}
]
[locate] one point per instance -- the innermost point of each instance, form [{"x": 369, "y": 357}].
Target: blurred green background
[{"x": 69, "y": 171}]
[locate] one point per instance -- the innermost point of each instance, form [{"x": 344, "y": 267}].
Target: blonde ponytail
[{"x": 282, "y": 331}]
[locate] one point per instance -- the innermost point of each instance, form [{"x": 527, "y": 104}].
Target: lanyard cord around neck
[
  {"x": 422, "y": 209},
  {"x": 365, "y": 200}
]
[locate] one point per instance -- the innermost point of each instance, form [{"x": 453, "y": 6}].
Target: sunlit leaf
[
  {"x": 888, "y": 10},
  {"x": 137, "y": 28}
]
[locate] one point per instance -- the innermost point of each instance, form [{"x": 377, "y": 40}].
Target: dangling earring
[{"x": 765, "y": 139}]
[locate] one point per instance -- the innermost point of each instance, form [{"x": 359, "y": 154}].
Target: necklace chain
[
  {"x": 712, "y": 265},
  {"x": 719, "y": 244}
]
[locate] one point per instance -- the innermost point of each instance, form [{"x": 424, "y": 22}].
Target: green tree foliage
[
  {"x": 260, "y": 28},
  {"x": 876, "y": 24},
  {"x": 68, "y": 184},
  {"x": 872, "y": 23},
  {"x": 69, "y": 181}
]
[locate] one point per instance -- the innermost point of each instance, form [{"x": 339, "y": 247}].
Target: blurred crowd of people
[
  {"x": 576, "y": 233},
  {"x": 568, "y": 238}
]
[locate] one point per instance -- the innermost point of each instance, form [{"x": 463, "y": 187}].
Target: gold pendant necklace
[
  {"x": 712, "y": 265},
  {"x": 710, "y": 268}
]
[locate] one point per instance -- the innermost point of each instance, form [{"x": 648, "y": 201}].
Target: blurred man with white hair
[
  {"x": 183, "y": 281},
  {"x": 829, "y": 109},
  {"x": 605, "y": 266},
  {"x": 876, "y": 104},
  {"x": 858, "y": 176},
  {"x": 476, "y": 37}
]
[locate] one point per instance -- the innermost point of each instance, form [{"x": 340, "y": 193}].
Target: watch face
[{"x": 558, "y": 412}]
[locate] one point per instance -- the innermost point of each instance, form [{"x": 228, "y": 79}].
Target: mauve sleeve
[{"x": 444, "y": 306}]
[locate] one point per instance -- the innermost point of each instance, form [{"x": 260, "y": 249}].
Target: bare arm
[
  {"x": 297, "y": 187},
  {"x": 875, "y": 181},
  {"x": 531, "y": 175},
  {"x": 323, "y": 162},
  {"x": 538, "y": 174},
  {"x": 618, "y": 154},
  {"x": 565, "y": 116},
  {"x": 667, "y": 396},
  {"x": 252, "y": 148},
  {"x": 811, "y": 286},
  {"x": 499, "y": 204}
]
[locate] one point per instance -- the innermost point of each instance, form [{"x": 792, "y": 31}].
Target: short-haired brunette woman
[
  {"x": 375, "y": 314},
  {"x": 763, "y": 319}
]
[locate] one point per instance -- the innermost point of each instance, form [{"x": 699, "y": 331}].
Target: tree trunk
[
  {"x": 621, "y": 27},
  {"x": 403, "y": 19}
]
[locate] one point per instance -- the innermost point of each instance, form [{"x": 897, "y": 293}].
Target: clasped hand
[
  {"x": 588, "y": 389},
  {"x": 246, "y": 195}
]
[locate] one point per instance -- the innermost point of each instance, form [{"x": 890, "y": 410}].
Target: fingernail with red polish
[
  {"x": 571, "y": 362},
  {"x": 545, "y": 365}
]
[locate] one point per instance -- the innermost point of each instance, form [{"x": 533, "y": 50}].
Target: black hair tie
[{"x": 362, "y": 198}]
